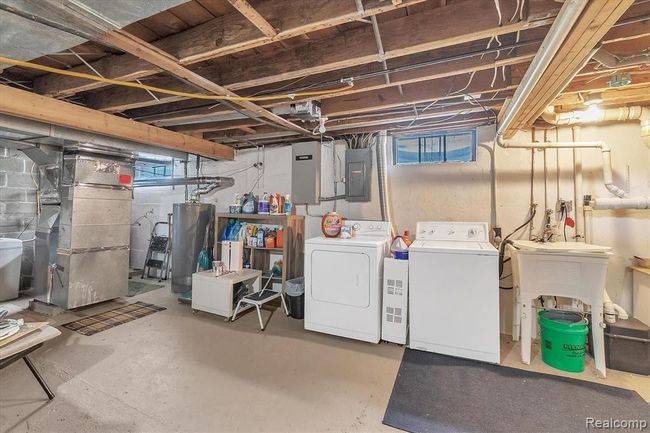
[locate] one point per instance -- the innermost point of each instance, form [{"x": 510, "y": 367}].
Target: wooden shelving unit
[{"x": 292, "y": 249}]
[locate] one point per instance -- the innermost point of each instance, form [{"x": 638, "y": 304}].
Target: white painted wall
[{"x": 459, "y": 192}]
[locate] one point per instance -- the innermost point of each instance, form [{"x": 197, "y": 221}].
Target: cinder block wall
[{"x": 18, "y": 205}]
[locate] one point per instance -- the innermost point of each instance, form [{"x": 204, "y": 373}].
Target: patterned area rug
[{"x": 109, "y": 319}]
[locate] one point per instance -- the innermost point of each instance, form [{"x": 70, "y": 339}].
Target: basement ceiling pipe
[
  {"x": 621, "y": 114},
  {"x": 562, "y": 25},
  {"x": 612, "y": 61}
]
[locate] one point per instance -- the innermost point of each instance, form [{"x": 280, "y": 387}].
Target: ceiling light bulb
[
  {"x": 592, "y": 114},
  {"x": 594, "y": 99}
]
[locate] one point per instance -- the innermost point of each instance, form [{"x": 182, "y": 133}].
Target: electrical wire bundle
[{"x": 360, "y": 141}]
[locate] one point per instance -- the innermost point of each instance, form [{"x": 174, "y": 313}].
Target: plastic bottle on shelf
[
  {"x": 274, "y": 205},
  {"x": 399, "y": 248},
  {"x": 263, "y": 204},
  {"x": 249, "y": 206},
  {"x": 287, "y": 204}
]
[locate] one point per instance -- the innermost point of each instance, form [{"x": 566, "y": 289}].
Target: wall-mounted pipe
[
  {"x": 621, "y": 114},
  {"x": 577, "y": 187},
  {"x": 622, "y": 201}
]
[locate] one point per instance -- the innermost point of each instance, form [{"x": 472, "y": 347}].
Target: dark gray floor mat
[{"x": 437, "y": 393}]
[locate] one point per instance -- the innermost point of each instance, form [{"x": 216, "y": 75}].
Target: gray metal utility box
[
  {"x": 305, "y": 173},
  {"x": 358, "y": 171}
]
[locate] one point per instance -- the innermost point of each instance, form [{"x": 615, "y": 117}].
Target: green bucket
[{"x": 564, "y": 334}]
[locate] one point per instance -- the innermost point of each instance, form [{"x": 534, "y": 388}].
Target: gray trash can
[
  {"x": 11, "y": 254},
  {"x": 295, "y": 291}
]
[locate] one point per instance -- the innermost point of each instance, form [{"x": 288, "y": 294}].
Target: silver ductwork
[
  {"x": 212, "y": 183},
  {"x": 220, "y": 181},
  {"x": 382, "y": 179}
]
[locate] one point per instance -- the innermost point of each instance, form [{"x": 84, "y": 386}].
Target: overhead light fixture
[
  {"x": 593, "y": 113},
  {"x": 594, "y": 99}
]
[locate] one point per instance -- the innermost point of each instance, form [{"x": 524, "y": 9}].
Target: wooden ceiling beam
[
  {"x": 639, "y": 94},
  {"x": 596, "y": 20},
  {"x": 464, "y": 66},
  {"x": 29, "y": 105},
  {"x": 640, "y": 78},
  {"x": 254, "y": 17},
  {"x": 444, "y": 27},
  {"x": 215, "y": 126},
  {"x": 219, "y": 37},
  {"x": 142, "y": 49},
  {"x": 74, "y": 15}
]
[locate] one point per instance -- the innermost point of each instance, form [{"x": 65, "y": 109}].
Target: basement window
[
  {"x": 152, "y": 169},
  {"x": 435, "y": 147}
]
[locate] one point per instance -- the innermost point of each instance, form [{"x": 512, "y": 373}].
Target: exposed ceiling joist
[
  {"x": 254, "y": 17},
  {"x": 439, "y": 89},
  {"x": 444, "y": 27},
  {"x": 28, "y": 105},
  {"x": 461, "y": 68},
  {"x": 595, "y": 21},
  {"x": 219, "y": 37},
  {"x": 69, "y": 15},
  {"x": 148, "y": 52}
]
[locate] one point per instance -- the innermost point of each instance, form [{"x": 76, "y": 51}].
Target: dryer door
[{"x": 340, "y": 277}]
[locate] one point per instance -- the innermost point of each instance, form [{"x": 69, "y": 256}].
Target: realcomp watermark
[{"x": 611, "y": 423}]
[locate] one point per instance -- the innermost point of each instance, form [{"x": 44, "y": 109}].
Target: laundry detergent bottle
[{"x": 399, "y": 249}]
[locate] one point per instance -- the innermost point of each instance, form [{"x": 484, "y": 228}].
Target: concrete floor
[{"x": 175, "y": 371}]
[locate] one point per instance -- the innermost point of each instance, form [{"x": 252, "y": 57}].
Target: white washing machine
[
  {"x": 454, "y": 291},
  {"x": 343, "y": 281}
]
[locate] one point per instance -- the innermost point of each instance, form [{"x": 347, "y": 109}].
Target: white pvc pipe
[
  {"x": 577, "y": 187},
  {"x": 607, "y": 174},
  {"x": 639, "y": 202}
]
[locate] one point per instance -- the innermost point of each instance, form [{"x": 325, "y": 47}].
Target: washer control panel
[
  {"x": 452, "y": 231},
  {"x": 368, "y": 228}
]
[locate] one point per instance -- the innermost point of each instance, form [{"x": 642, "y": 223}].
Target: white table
[
  {"x": 579, "y": 275},
  {"x": 22, "y": 347},
  {"x": 215, "y": 294}
]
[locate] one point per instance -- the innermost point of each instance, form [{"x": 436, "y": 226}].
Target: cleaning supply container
[
  {"x": 11, "y": 254},
  {"x": 563, "y": 338}
]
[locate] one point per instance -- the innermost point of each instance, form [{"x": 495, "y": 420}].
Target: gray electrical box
[
  {"x": 358, "y": 170},
  {"x": 305, "y": 173}
]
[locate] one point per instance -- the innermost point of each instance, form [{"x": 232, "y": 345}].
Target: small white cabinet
[{"x": 215, "y": 294}]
